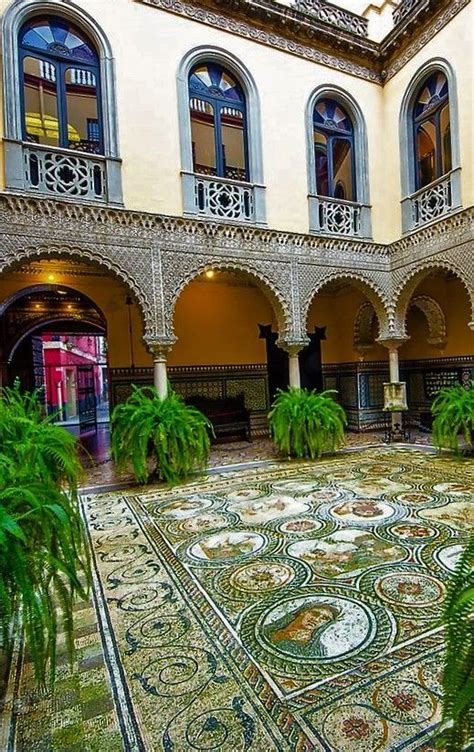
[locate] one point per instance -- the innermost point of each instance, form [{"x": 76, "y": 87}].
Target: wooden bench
[{"x": 228, "y": 415}]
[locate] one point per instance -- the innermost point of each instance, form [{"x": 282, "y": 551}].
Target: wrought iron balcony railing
[
  {"x": 403, "y": 10},
  {"x": 331, "y": 216},
  {"x": 432, "y": 202},
  {"x": 64, "y": 173},
  {"x": 222, "y": 198},
  {"x": 334, "y": 15}
]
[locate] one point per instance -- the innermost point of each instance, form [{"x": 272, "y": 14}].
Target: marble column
[
  {"x": 392, "y": 345},
  {"x": 293, "y": 349},
  {"x": 160, "y": 351}
]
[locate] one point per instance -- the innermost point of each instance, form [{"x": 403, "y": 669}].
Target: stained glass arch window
[
  {"x": 218, "y": 114},
  {"x": 432, "y": 130},
  {"x": 333, "y": 136},
  {"x": 60, "y": 96}
]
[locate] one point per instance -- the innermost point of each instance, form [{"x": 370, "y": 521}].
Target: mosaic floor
[
  {"x": 102, "y": 472},
  {"x": 288, "y": 607}
]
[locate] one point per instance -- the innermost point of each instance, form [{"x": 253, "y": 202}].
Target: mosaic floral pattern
[{"x": 288, "y": 607}]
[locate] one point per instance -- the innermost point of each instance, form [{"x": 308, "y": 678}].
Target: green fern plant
[
  {"x": 44, "y": 563},
  {"x": 453, "y": 413},
  {"x": 173, "y": 434},
  {"x": 305, "y": 423},
  {"x": 457, "y": 727}
]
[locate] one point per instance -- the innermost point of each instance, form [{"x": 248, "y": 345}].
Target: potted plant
[
  {"x": 44, "y": 564},
  {"x": 457, "y": 726},
  {"x": 306, "y": 423},
  {"x": 169, "y": 432},
  {"x": 453, "y": 413}
]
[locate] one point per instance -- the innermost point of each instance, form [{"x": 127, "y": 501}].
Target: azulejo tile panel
[{"x": 289, "y": 607}]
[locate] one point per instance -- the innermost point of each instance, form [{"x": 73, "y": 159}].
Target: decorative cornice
[
  {"x": 285, "y": 29},
  {"x": 396, "y": 51},
  {"x": 306, "y": 35}
]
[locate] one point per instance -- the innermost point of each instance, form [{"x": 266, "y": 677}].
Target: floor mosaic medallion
[{"x": 293, "y": 606}]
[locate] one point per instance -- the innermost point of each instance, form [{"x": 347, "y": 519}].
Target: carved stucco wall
[
  {"x": 157, "y": 256},
  {"x": 364, "y": 322}
]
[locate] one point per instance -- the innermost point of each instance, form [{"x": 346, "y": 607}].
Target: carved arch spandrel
[
  {"x": 315, "y": 281},
  {"x": 435, "y": 317},
  {"x": 364, "y": 322},
  {"x": 115, "y": 262},
  {"x": 179, "y": 270},
  {"x": 406, "y": 281}
]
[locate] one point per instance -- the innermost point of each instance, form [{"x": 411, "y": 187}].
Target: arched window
[
  {"x": 60, "y": 95},
  {"x": 218, "y": 116},
  {"x": 337, "y": 160},
  {"x": 58, "y": 98},
  {"x": 429, "y": 146},
  {"x": 334, "y": 150},
  {"x": 432, "y": 132}
]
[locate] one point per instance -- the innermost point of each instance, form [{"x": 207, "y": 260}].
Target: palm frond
[
  {"x": 306, "y": 423},
  {"x": 453, "y": 413},
  {"x": 173, "y": 433},
  {"x": 43, "y": 550}
]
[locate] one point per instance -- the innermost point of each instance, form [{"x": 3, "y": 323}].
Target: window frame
[
  {"x": 14, "y": 18},
  {"x": 254, "y": 185},
  {"x": 62, "y": 65},
  {"x": 217, "y": 103},
  {"x": 333, "y": 134},
  {"x": 360, "y": 157},
  {"x": 432, "y": 116},
  {"x": 407, "y": 140}
]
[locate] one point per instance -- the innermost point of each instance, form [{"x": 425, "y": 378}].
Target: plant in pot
[
  {"x": 173, "y": 435},
  {"x": 453, "y": 416},
  {"x": 44, "y": 563},
  {"x": 306, "y": 423},
  {"x": 457, "y": 726}
]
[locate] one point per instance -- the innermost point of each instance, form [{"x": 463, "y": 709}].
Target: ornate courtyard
[{"x": 289, "y": 606}]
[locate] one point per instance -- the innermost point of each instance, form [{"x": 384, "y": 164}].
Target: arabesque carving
[{"x": 156, "y": 256}]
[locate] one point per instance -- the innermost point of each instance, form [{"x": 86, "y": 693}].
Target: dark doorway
[
  {"x": 310, "y": 360},
  {"x": 277, "y": 360}
]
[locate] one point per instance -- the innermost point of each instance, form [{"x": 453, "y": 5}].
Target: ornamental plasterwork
[
  {"x": 364, "y": 323},
  {"x": 135, "y": 272},
  {"x": 376, "y": 286},
  {"x": 293, "y": 32},
  {"x": 273, "y": 277},
  {"x": 406, "y": 280},
  {"x": 156, "y": 256},
  {"x": 399, "y": 60}
]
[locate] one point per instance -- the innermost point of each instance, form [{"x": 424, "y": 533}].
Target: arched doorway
[
  {"x": 54, "y": 338},
  {"x": 357, "y": 370},
  {"x": 220, "y": 354},
  {"x": 439, "y": 350},
  {"x": 72, "y": 327}
]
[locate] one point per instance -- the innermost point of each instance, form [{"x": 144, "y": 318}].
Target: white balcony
[
  {"x": 223, "y": 199},
  {"x": 432, "y": 202},
  {"x": 331, "y": 216},
  {"x": 62, "y": 173}
]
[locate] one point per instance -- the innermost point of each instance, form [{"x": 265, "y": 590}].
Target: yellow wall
[
  {"x": 149, "y": 44},
  {"x": 109, "y": 294},
  {"x": 216, "y": 324},
  {"x": 338, "y": 314}
]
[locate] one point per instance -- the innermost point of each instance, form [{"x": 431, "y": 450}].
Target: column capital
[
  {"x": 392, "y": 343},
  {"x": 159, "y": 348},
  {"x": 292, "y": 347}
]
